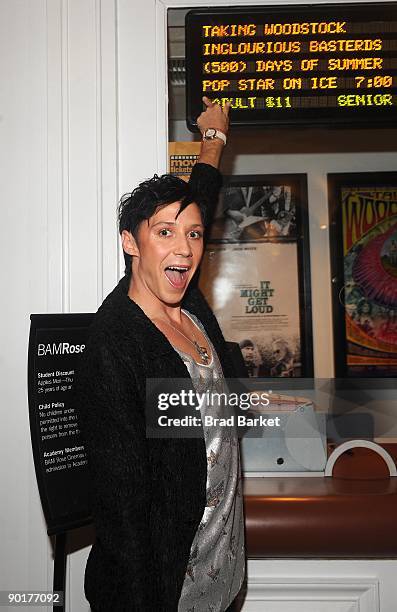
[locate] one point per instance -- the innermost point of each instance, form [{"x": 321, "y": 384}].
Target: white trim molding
[
  {"x": 82, "y": 153},
  {"x": 312, "y": 595}
]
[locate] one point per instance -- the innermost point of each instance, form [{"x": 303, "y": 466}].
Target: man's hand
[{"x": 214, "y": 116}]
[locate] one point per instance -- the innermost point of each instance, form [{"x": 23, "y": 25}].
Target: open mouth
[{"x": 177, "y": 275}]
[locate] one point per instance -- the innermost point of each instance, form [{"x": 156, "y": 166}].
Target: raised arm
[
  {"x": 205, "y": 179},
  {"x": 214, "y": 117}
]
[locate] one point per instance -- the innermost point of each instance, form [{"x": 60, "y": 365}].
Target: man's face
[
  {"x": 279, "y": 351},
  {"x": 169, "y": 250},
  {"x": 248, "y": 353}
]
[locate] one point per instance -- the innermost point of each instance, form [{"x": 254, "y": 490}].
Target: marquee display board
[
  {"x": 330, "y": 64},
  {"x": 55, "y": 346}
]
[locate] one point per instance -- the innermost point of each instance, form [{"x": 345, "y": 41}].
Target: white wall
[
  {"x": 75, "y": 133},
  {"x": 24, "y": 248},
  {"x": 58, "y": 134}
]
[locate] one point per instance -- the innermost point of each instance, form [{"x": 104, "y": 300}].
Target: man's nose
[{"x": 182, "y": 246}]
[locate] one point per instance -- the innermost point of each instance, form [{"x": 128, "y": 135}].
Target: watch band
[{"x": 212, "y": 133}]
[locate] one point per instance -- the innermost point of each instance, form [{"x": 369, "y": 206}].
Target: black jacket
[{"x": 148, "y": 495}]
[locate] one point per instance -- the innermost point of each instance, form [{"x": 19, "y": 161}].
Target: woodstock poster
[{"x": 369, "y": 228}]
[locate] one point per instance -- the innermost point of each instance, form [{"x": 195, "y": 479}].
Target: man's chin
[{"x": 174, "y": 298}]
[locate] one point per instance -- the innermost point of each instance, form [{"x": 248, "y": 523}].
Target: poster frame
[
  {"x": 335, "y": 182},
  {"x": 298, "y": 184}
]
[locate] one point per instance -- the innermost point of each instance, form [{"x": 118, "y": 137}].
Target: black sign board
[
  {"x": 55, "y": 346},
  {"x": 330, "y": 64}
]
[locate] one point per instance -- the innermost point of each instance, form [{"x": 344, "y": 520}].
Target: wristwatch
[{"x": 212, "y": 133}]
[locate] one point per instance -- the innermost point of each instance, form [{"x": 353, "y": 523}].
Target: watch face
[{"x": 210, "y": 133}]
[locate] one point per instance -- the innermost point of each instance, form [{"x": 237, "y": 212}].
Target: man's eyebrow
[
  {"x": 174, "y": 223},
  {"x": 163, "y": 223}
]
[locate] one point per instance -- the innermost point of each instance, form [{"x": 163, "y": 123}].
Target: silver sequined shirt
[{"x": 216, "y": 566}]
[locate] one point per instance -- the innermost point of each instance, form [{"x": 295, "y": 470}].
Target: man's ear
[{"x": 129, "y": 243}]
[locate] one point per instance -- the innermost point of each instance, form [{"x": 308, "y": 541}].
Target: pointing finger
[{"x": 207, "y": 102}]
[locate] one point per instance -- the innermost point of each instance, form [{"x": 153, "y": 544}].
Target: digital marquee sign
[{"x": 310, "y": 65}]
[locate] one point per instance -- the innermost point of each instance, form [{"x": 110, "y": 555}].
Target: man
[
  {"x": 283, "y": 357},
  {"x": 251, "y": 363},
  {"x": 169, "y": 523}
]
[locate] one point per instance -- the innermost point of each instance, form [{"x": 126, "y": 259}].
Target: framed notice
[
  {"x": 256, "y": 273},
  {"x": 363, "y": 243},
  {"x": 324, "y": 64},
  {"x": 56, "y": 344}
]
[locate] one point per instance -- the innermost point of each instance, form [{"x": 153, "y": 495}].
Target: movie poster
[
  {"x": 253, "y": 290},
  {"x": 369, "y": 226}
]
